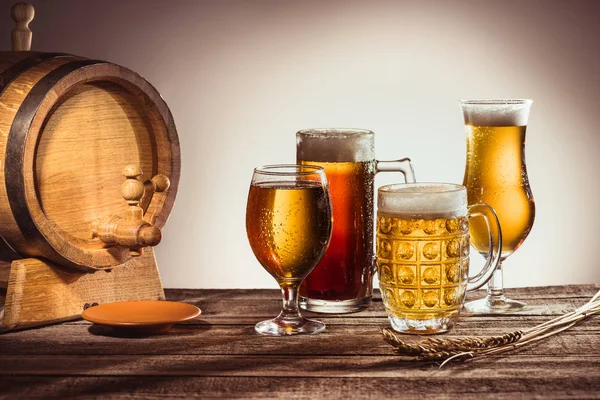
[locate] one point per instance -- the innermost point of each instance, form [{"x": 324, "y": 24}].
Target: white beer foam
[
  {"x": 496, "y": 112},
  {"x": 429, "y": 200},
  {"x": 335, "y": 145}
]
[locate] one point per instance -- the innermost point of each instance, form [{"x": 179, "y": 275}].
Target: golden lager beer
[
  {"x": 288, "y": 226},
  {"x": 288, "y": 222},
  {"x": 423, "y": 264},
  {"x": 423, "y": 255},
  {"x": 495, "y": 174}
]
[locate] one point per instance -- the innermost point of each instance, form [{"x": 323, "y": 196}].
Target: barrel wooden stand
[
  {"x": 35, "y": 292},
  {"x": 89, "y": 171}
]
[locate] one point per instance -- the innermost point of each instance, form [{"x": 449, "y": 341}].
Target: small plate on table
[{"x": 141, "y": 317}]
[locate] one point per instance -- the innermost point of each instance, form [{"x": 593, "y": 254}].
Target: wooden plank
[
  {"x": 553, "y": 292},
  {"x": 159, "y": 387},
  {"x": 269, "y": 308},
  {"x": 242, "y": 340},
  {"x": 265, "y": 303},
  {"x": 220, "y": 355},
  {"x": 464, "y": 326},
  {"x": 557, "y": 366},
  {"x": 467, "y": 325}
]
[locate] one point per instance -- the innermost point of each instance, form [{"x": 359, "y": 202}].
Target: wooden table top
[{"x": 220, "y": 355}]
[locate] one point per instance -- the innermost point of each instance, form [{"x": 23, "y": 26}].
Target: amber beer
[
  {"x": 343, "y": 280},
  {"x": 503, "y": 183},
  {"x": 288, "y": 226}
]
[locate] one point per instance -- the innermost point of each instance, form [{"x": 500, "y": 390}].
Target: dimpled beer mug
[
  {"x": 495, "y": 174},
  {"x": 423, "y": 253},
  {"x": 343, "y": 281}
]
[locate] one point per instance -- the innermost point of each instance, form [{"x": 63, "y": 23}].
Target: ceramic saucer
[{"x": 141, "y": 317}]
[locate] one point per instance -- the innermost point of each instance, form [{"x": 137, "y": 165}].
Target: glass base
[
  {"x": 494, "y": 305},
  {"x": 334, "y": 306},
  {"x": 422, "y": 326},
  {"x": 289, "y": 326}
]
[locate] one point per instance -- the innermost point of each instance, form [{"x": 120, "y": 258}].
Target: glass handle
[
  {"x": 403, "y": 165},
  {"x": 493, "y": 257}
]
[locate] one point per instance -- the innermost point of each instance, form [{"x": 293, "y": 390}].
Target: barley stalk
[{"x": 453, "y": 349}]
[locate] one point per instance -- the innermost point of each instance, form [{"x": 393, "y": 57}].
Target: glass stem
[
  {"x": 290, "y": 302},
  {"x": 495, "y": 285}
]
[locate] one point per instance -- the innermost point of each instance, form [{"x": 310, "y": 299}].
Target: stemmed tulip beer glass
[
  {"x": 495, "y": 174},
  {"x": 289, "y": 223}
]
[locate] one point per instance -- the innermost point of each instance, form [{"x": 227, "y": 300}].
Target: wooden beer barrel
[{"x": 68, "y": 127}]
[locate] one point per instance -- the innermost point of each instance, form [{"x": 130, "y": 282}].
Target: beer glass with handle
[
  {"x": 496, "y": 174},
  {"x": 288, "y": 222},
  {"x": 423, "y": 253},
  {"x": 343, "y": 281}
]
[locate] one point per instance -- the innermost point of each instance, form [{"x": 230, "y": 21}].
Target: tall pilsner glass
[{"x": 496, "y": 174}]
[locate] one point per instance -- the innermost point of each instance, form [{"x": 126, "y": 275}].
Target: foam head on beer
[
  {"x": 496, "y": 112},
  {"x": 423, "y": 200},
  {"x": 335, "y": 145}
]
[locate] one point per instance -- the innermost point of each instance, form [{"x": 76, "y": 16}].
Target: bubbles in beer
[
  {"x": 453, "y": 248},
  {"x": 406, "y": 275},
  {"x": 288, "y": 225},
  {"x": 345, "y": 270},
  {"x": 386, "y": 275},
  {"x": 408, "y": 298},
  {"x": 453, "y": 273},
  {"x": 496, "y": 175},
  {"x": 452, "y": 225},
  {"x": 385, "y": 225},
  {"x": 431, "y": 251},
  {"x": 430, "y": 226},
  {"x": 450, "y": 297},
  {"x": 406, "y": 250},
  {"x": 430, "y": 298},
  {"x": 385, "y": 249},
  {"x": 406, "y": 226},
  {"x": 431, "y": 279},
  {"x": 431, "y": 275}
]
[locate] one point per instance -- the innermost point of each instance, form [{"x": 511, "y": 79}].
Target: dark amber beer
[
  {"x": 343, "y": 280},
  {"x": 344, "y": 273}
]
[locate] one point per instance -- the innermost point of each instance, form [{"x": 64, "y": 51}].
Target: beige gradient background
[{"x": 241, "y": 77}]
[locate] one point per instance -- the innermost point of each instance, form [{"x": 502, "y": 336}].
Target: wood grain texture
[
  {"x": 68, "y": 127},
  {"x": 132, "y": 231},
  {"x": 10, "y": 100},
  {"x": 22, "y": 14},
  {"x": 40, "y": 293},
  {"x": 220, "y": 355}
]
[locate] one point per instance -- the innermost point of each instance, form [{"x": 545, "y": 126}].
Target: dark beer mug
[{"x": 342, "y": 282}]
